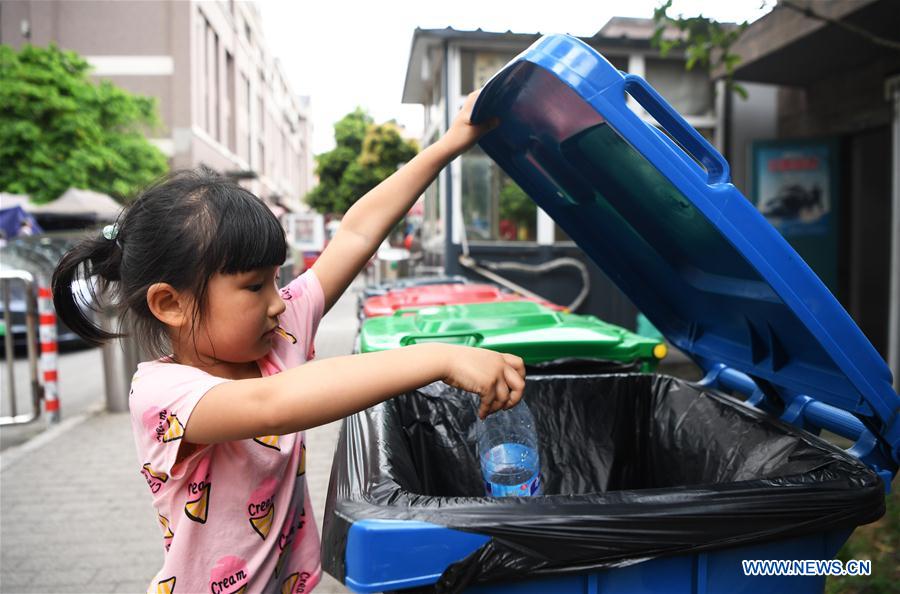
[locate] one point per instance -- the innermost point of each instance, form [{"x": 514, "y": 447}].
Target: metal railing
[{"x": 7, "y": 278}]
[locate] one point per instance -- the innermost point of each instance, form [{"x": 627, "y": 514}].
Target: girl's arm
[
  {"x": 371, "y": 218},
  {"x": 323, "y": 391}
]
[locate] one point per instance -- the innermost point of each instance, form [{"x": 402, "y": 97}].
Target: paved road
[{"x": 80, "y": 390}]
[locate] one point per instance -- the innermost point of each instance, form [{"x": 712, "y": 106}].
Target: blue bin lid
[{"x": 666, "y": 225}]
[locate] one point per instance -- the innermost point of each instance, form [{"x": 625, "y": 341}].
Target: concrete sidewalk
[{"x": 75, "y": 515}]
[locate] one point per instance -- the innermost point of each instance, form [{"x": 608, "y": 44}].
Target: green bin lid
[{"x": 524, "y": 328}]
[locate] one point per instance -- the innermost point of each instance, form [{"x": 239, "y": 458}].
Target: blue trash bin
[{"x": 657, "y": 213}]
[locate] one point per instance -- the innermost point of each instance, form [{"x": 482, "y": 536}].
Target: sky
[{"x": 345, "y": 54}]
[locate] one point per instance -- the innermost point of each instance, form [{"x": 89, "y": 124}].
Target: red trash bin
[{"x": 450, "y": 294}]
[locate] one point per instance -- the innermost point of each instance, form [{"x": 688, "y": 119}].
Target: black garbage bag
[
  {"x": 635, "y": 466},
  {"x": 575, "y": 365}
]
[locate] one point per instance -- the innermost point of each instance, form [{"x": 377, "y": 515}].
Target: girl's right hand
[
  {"x": 497, "y": 378},
  {"x": 463, "y": 134}
]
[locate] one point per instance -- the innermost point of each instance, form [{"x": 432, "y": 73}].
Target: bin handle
[
  {"x": 810, "y": 414},
  {"x": 717, "y": 170},
  {"x": 801, "y": 410},
  {"x": 412, "y": 309},
  {"x": 474, "y": 338}
]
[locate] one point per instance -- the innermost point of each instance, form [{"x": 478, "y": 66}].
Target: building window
[
  {"x": 494, "y": 207},
  {"x": 211, "y": 92},
  {"x": 229, "y": 103},
  {"x": 688, "y": 91},
  {"x": 476, "y": 68},
  {"x": 283, "y": 157},
  {"x": 261, "y": 134},
  {"x": 432, "y": 221},
  {"x": 200, "y": 85},
  {"x": 247, "y": 137},
  {"x": 262, "y": 157}
]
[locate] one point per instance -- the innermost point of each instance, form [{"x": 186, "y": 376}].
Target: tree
[
  {"x": 365, "y": 154},
  {"x": 516, "y": 205},
  {"x": 59, "y": 129},
  {"x": 706, "y": 42}
]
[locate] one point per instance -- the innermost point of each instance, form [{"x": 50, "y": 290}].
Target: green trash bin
[{"x": 536, "y": 333}]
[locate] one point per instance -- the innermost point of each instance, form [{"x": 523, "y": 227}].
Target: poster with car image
[{"x": 795, "y": 188}]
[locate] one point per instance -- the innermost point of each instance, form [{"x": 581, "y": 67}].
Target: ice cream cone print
[
  {"x": 166, "y": 586},
  {"x": 287, "y": 533},
  {"x": 285, "y": 335},
  {"x": 296, "y": 583},
  {"x": 229, "y": 576},
  {"x": 167, "y": 530},
  {"x": 196, "y": 509},
  {"x": 261, "y": 507},
  {"x": 164, "y": 522},
  {"x": 287, "y": 586},
  {"x": 175, "y": 430},
  {"x": 263, "y": 524},
  {"x": 155, "y": 478},
  {"x": 301, "y": 468},
  {"x": 157, "y": 474},
  {"x": 270, "y": 441},
  {"x": 162, "y": 424}
]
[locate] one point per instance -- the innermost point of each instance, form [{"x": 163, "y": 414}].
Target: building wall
[
  {"x": 851, "y": 106},
  {"x": 845, "y": 102},
  {"x": 223, "y": 99},
  {"x": 751, "y": 120}
]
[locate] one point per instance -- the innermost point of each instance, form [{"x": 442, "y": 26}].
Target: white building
[
  {"x": 446, "y": 64},
  {"x": 223, "y": 99}
]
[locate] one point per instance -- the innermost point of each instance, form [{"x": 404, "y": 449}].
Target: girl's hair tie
[{"x": 110, "y": 232}]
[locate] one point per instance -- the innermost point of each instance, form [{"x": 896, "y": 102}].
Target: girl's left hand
[{"x": 463, "y": 134}]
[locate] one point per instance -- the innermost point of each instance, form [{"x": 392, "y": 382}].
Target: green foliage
[
  {"x": 350, "y": 131},
  {"x": 706, "y": 42},
  {"x": 58, "y": 129},
  {"x": 516, "y": 205},
  {"x": 365, "y": 154},
  {"x": 878, "y": 542}
]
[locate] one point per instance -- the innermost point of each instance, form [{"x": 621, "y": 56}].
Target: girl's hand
[
  {"x": 498, "y": 378},
  {"x": 462, "y": 134}
]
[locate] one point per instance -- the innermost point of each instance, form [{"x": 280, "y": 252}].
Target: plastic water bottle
[{"x": 508, "y": 450}]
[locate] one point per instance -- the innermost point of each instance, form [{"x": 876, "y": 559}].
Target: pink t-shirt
[{"x": 235, "y": 517}]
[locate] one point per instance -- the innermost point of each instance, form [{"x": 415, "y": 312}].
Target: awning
[
  {"x": 77, "y": 202},
  {"x": 786, "y": 47}
]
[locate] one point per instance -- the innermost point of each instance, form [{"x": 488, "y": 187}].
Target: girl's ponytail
[
  {"x": 181, "y": 231},
  {"x": 92, "y": 257}
]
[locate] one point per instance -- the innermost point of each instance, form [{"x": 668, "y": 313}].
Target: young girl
[{"x": 218, "y": 419}]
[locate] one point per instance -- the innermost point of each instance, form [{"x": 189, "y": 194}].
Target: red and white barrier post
[{"x": 49, "y": 350}]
